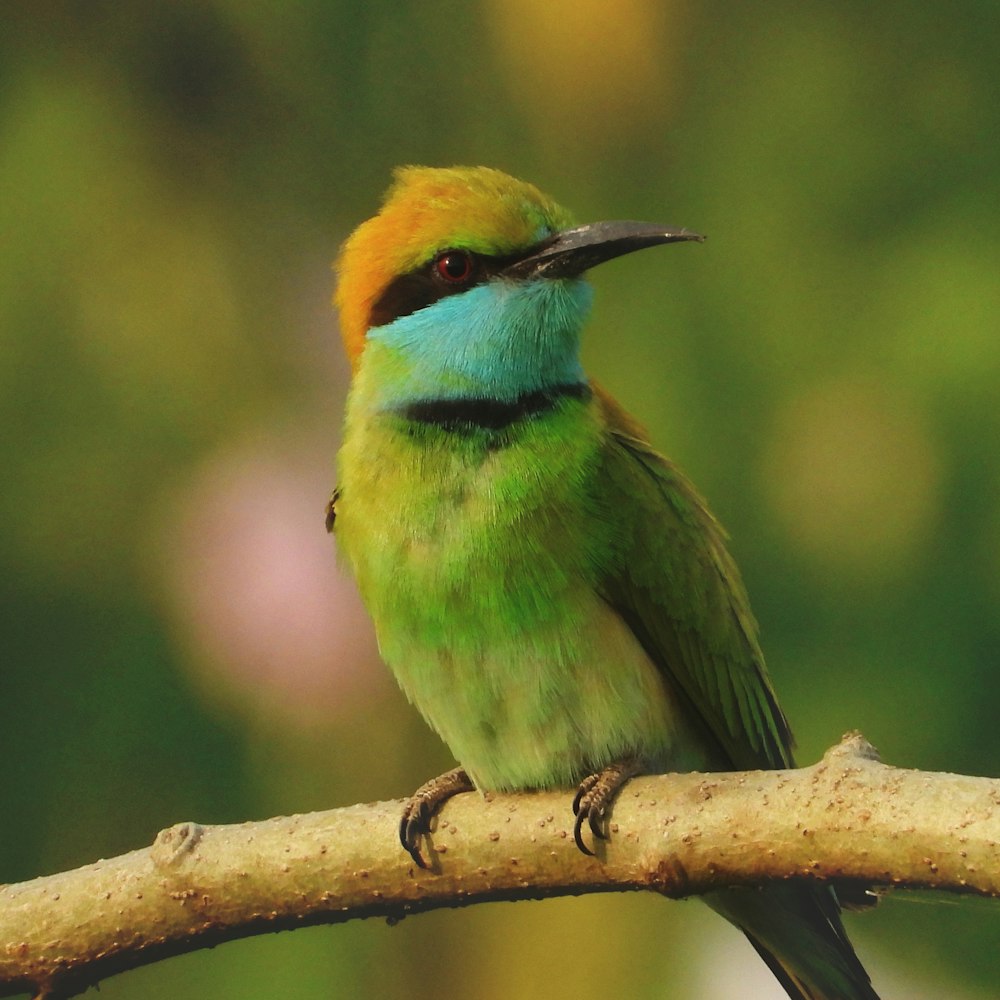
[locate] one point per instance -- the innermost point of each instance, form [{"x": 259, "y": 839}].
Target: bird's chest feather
[
  {"x": 462, "y": 541},
  {"x": 477, "y": 555}
]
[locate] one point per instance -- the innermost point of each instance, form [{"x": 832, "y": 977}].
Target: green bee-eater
[{"x": 551, "y": 593}]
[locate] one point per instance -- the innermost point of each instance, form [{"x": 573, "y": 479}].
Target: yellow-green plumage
[
  {"x": 497, "y": 629},
  {"x": 552, "y": 594}
]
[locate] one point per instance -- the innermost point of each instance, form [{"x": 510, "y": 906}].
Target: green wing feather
[{"x": 673, "y": 581}]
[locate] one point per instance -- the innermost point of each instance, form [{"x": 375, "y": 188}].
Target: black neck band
[{"x": 482, "y": 413}]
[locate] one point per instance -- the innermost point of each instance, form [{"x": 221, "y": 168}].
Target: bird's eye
[{"x": 454, "y": 266}]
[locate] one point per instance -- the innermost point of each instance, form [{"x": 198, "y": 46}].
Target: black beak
[{"x": 573, "y": 251}]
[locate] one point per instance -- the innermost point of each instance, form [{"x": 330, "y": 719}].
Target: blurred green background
[{"x": 175, "y": 179}]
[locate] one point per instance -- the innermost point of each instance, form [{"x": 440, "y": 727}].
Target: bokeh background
[{"x": 175, "y": 639}]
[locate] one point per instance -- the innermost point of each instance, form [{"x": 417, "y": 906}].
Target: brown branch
[{"x": 848, "y": 817}]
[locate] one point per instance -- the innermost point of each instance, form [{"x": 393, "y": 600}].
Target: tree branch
[{"x": 849, "y": 817}]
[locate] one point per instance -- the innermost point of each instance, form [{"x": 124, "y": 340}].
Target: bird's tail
[{"x": 797, "y": 930}]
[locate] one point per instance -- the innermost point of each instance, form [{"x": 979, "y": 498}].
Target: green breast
[{"x": 477, "y": 554}]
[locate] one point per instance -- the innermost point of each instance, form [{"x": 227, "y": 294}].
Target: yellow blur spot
[
  {"x": 588, "y": 67},
  {"x": 854, "y": 476}
]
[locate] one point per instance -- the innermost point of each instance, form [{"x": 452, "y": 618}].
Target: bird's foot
[
  {"x": 595, "y": 795},
  {"x": 424, "y": 803},
  {"x": 331, "y": 510}
]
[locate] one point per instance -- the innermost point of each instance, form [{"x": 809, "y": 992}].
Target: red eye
[{"x": 455, "y": 266}]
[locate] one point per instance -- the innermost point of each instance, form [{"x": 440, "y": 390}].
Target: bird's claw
[
  {"x": 421, "y": 807},
  {"x": 584, "y": 811},
  {"x": 331, "y": 510},
  {"x": 413, "y": 824},
  {"x": 594, "y": 797}
]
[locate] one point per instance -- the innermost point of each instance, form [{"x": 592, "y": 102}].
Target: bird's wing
[{"x": 672, "y": 580}]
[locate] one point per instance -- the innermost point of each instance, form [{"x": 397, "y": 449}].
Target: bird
[{"x": 552, "y": 594}]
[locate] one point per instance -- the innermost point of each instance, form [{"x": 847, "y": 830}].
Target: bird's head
[{"x": 470, "y": 283}]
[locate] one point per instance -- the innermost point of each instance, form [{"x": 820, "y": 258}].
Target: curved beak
[{"x": 573, "y": 251}]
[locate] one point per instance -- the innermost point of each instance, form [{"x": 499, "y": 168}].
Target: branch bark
[{"x": 849, "y": 818}]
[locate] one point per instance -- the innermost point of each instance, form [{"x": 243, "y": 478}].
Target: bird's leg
[
  {"x": 595, "y": 795},
  {"x": 424, "y": 803}
]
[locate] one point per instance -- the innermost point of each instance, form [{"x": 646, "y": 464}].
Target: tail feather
[{"x": 797, "y": 931}]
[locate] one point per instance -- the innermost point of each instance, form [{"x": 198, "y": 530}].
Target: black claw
[
  {"x": 412, "y": 826},
  {"x": 418, "y": 858},
  {"x": 578, "y": 834},
  {"x": 597, "y": 824}
]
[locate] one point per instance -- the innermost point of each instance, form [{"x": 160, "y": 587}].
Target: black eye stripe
[
  {"x": 423, "y": 286},
  {"x": 406, "y": 294}
]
